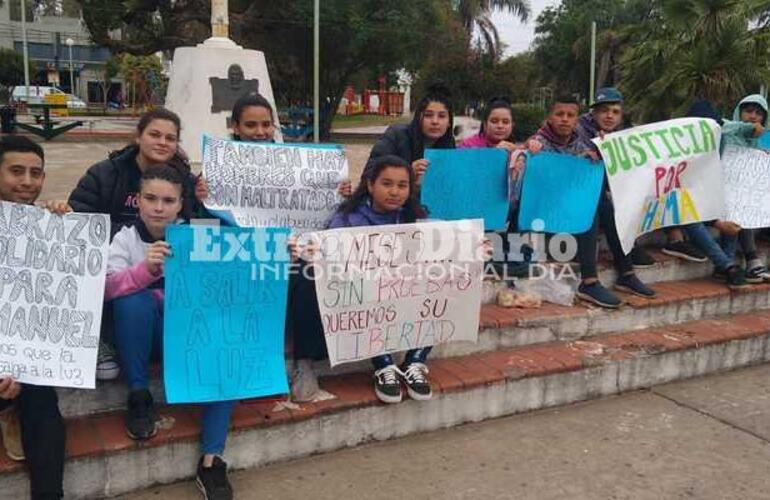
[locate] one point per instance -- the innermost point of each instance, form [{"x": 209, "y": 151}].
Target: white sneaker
[{"x": 107, "y": 367}]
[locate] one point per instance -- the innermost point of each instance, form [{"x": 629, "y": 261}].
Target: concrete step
[
  {"x": 103, "y": 462},
  {"x": 667, "y": 268},
  {"x": 677, "y": 302}
]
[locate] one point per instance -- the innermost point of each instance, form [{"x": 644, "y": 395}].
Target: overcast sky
[{"x": 518, "y": 36}]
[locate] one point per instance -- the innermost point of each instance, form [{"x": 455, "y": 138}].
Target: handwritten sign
[
  {"x": 664, "y": 174},
  {"x": 52, "y": 272},
  {"x": 747, "y": 186},
  {"x": 224, "y": 313},
  {"x": 392, "y": 288},
  {"x": 560, "y": 193},
  {"x": 269, "y": 185},
  {"x": 467, "y": 184}
]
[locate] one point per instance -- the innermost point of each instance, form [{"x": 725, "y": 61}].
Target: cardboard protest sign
[
  {"x": 225, "y": 309},
  {"x": 467, "y": 184},
  {"x": 663, "y": 174},
  {"x": 386, "y": 289},
  {"x": 747, "y": 186},
  {"x": 52, "y": 272},
  {"x": 257, "y": 184},
  {"x": 559, "y": 193}
]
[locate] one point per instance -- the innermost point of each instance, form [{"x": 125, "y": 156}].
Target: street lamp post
[
  {"x": 24, "y": 48},
  {"x": 70, "y": 42}
]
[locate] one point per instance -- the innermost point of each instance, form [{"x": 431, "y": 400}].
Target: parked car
[{"x": 37, "y": 94}]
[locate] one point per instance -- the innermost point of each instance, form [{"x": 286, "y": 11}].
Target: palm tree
[
  {"x": 477, "y": 14},
  {"x": 708, "y": 49}
]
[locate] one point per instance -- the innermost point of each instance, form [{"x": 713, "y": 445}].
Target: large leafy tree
[
  {"x": 563, "y": 44},
  {"x": 691, "y": 49},
  {"x": 370, "y": 35}
]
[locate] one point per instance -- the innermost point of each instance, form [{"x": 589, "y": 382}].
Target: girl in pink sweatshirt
[{"x": 135, "y": 288}]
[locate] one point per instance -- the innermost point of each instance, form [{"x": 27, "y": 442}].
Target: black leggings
[
  {"x": 42, "y": 437},
  {"x": 587, "y": 242},
  {"x": 304, "y": 318}
]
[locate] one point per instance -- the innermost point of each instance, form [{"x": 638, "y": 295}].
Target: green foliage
[
  {"x": 11, "y": 67},
  {"x": 695, "y": 49},
  {"x": 562, "y": 45},
  {"x": 528, "y": 120},
  {"x": 143, "y": 74}
]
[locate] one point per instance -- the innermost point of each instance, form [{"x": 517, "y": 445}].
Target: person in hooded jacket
[
  {"x": 748, "y": 124},
  {"x": 431, "y": 127}
]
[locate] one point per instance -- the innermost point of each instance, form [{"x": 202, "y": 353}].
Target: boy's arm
[{"x": 740, "y": 129}]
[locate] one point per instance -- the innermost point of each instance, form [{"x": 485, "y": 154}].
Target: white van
[{"x": 37, "y": 94}]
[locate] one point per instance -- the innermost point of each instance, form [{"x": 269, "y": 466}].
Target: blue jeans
[
  {"x": 138, "y": 333},
  {"x": 700, "y": 236},
  {"x": 412, "y": 356},
  {"x": 747, "y": 241}
]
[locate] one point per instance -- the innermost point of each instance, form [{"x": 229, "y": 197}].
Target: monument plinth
[{"x": 207, "y": 80}]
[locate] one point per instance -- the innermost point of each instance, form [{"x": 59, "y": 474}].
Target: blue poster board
[
  {"x": 559, "y": 193},
  {"x": 224, "y": 313},
  {"x": 764, "y": 140},
  {"x": 467, "y": 183}
]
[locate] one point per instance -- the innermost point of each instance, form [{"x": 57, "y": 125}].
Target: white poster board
[
  {"x": 52, "y": 273},
  {"x": 386, "y": 289},
  {"x": 273, "y": 185},
  {"x": 747, "y": 186},
  {"x": 663, "y": 174}
]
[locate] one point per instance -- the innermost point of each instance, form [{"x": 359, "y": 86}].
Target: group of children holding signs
[{"x": 148, "y": 186}]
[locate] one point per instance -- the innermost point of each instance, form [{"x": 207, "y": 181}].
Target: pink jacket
[
  {"x": 130, "y": 280},
  {"x": 476, "y": 141}
]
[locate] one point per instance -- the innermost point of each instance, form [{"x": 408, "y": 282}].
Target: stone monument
[{"x": 207, "y": 80}]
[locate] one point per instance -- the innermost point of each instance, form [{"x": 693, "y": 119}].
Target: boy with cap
[{"x": 562, "y": 134}]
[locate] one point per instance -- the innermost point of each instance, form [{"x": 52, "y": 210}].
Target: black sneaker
[
  {"x": 632, "y": 284},
  {"x": 597, "y": 294},
  {"x": 684, "y": 250},
  {"x": 417, "y": 384},
  {"x": 387, "y": 386},
  {"x": 641, "y": 259},
  {"x": 736, "y": 278},
  {"x": 756, "y": 272},
  {"x": 212, "y": 481},
  {"x": 140, "y": 416}
]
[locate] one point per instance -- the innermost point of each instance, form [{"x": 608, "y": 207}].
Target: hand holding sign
[{"x": 156, "y": 257}]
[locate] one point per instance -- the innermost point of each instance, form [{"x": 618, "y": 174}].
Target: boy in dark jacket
[
  {"x": 560, "y": 135},
  {"x": 42, "y": 426}
]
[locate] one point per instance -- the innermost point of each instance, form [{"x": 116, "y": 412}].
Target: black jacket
[
  {"x": 105, "y": 186},
  {"x": 405, "y": 141}
]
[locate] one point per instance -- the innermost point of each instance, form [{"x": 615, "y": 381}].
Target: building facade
[{"x": 49, "y": 53}]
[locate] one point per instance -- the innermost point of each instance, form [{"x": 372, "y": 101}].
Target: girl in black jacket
[
  {"x": 431, "y": 127},
  {"x": 112, "y": 185}
]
